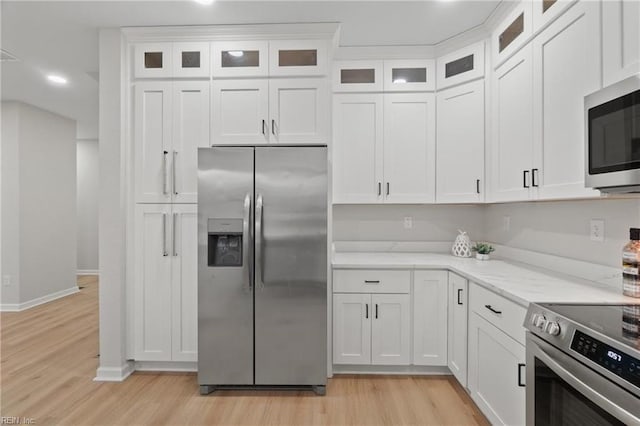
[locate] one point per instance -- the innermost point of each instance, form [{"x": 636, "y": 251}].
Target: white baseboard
[
  {"x": 114, "y": 374},
  {"x": 17, "y": 307},
  {"x": 418, "y": 370},
  {"x": 87, "y": 272},
  {"x": 176, "y": 366}
]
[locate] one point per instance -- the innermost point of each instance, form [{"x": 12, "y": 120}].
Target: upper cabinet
[
  {"x": 357, "y": 76},
  {"x": 620, "y": 39},
  {"x": 512, "y": 32},
  {"x": 240, "y": 58},
  {"x": 545, "y": 11},
  {"x": 167, "y": 60},
  {"x": 409, "y": 75},
  {"x": 461, "y": 66},
  {"x": 298, "y": 57}
]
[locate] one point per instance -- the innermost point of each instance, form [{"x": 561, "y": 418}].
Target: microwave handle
[{"x": 618, "y": 412}]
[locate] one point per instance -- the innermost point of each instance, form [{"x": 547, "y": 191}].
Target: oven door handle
[{"x": 604, "y": 403}]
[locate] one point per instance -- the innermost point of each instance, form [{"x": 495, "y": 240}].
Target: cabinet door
[
  {"x": 390, "y": 329},
  {"x": 463, "y": 65},
  {"x": 191, "y": 59},
  {"x": 457, "y": 327},
  {"x": 409, "y": 75},
  {"x": 512, "y": 142},
  {"x": 496, "y": 373},
  {"x": 545, "y": 11},
  {"x": 512, "y": 32},
  {"x": 357, "y": 76},
  {"x": 409, "y": 148},
  {"x": 190, "y": 131},
  {"x": 152, "y": 60},
  {"x": 240, "y": 110},
  {"x": 184, "y": 290},
  {"x": 352, "y": 328},
  {"x": 430, "y": 295},
  {"x": 357, "y": 148},
  {"x": 460, "y": 144},
  {"x": 565, "y": 70},
  {"x": 297, "y": 57},
  {"x": 152, "y": 283},
  {"x": 298, "y": 110},
  {"x": 620, "y": 39},
  {"x": 152, "y": 123},
  {"x": 240, "y": 58}
]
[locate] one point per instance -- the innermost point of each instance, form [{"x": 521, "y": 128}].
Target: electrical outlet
[
  {"x": 408, "y": 222},
  {"x": 596, "y": 231},
  {"x": 506, "y": 223},
  {"x": 6, "y": 280}
]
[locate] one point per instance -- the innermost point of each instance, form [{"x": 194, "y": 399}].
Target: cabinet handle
[
  {"x": 379, "y": 189},
  {"x": 459, "y": 294},
  {"x": 263, "y": 123},
  {"x": 173, "y": 234},
  {"x": 173, "y": 172},
  {"x": 366, "y": 307},
  {"x": 164, "y": 172},
  {"x": 273, "y": 127},
  {"x": 525, "y": 174},
  {"x": 372, "y": 281},
  {"x": 493, "y": 310},
  {"x": 534, "y": 174},
  {"x": 164, "y": 235},
  {"x": 376, "y": 311},
  {"x": 387, "y": 188},
  {"x": 478, "y": 186},
  {"x": 520, "y": 365}
]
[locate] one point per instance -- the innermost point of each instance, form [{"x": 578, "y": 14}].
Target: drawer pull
[
  {"x": 520, "y": 365},
  {"x": 493, "y": 310},
  {"x": 372, "y": 281}
]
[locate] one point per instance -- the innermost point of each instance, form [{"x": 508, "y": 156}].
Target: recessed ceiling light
[
  {"x": 236, "y": 53},
  {"x": 205, "y": 2},
  {"x": 57, "y": 79}
]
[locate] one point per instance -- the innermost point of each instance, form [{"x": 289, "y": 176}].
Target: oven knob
[
  {"x": 553, "y": 328},
  {"x": 534, "y": 319},
  {"x": 541, "y": 321}
]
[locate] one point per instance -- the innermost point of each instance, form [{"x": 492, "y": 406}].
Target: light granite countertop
[{"x": 516, "y": 281}]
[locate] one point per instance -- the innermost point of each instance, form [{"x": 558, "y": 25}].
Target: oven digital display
[{"x": 608, "y": 357}]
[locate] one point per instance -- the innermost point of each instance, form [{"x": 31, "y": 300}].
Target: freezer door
[
  {"x": 225, "y": 282},
  {"x": 291, "y": 266}
]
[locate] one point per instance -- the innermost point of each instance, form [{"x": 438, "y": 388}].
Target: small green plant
[{"x": 483, "y": 248}]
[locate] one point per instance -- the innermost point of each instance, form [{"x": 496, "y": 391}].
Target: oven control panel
[{"x": 607, "y": 357}]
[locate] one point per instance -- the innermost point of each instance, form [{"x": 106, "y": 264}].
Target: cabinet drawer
[
  {"x": 504, "y": 314},
  {"x": 371, "y": 281}
]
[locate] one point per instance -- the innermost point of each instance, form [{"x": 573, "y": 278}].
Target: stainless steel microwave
[{"x": 612, "y": 135}]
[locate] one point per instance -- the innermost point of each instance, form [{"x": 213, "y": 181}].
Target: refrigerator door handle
[
  {"x": 174, "y": 227},
  {"x": 173, "y": 173},
  {"x": 245, "y": 242},
  {"x": 258, "y": 259},
  {"x": 165, "y": 253},
  {"x": 164, "y": 173}
]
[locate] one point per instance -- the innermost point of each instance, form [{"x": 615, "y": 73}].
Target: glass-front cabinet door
[
  {"x": 409, "y": 75},
  {"x": 240, "y": 59},
  {"x": 191, "y": 59},
  {"x": 357, "y": 76},
  {"x": 461, "y": 66},
  {"x": 297, "y": 57},
  {"x": 152, "y": 60}
]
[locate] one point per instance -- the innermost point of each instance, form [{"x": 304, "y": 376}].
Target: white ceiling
[{"x": 62, "y": 36}]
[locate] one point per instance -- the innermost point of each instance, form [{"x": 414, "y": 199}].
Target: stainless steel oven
[
  {"x": 583, "y": 365},
  {"x": 612, "y": 135}
]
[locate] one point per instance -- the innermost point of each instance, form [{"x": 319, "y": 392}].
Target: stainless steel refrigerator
[{"x": 262, "y": 267}]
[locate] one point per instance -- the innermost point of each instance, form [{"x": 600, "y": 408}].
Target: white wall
[
  {"x": 46, "y": 203},
  {"x": 88, "y": 166},
  {"x": 562, "y": 227},
  {"x": 386, "y": 222}
]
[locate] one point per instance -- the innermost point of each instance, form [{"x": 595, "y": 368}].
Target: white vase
[
  {"x": 480, "y": 256},
  {"x": 462, "y": 245}
]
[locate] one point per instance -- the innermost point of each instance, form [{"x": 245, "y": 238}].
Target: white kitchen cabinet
[
  {"x": 152, "y": 60},
  {"x": 430, "y": 295},
  {"x": 496, "y": 373},
  {"x": 545, "y": 11},
  {"x": 240, "y": 59},
  {"x": 566, "y": 68},
  {"x": 620, "y": 39},
  {"x": 255, "y": 111},
  {"x": 409, "y": 75},
  {"x": 512, "y": 141},
  {"x": 168, "y": 60},
  {"x": 357, "y": 148},
  {"x": 240, "y": 111},
  {"x": 460, "y": 144},
  {"x": 512, "y": 32},
  {"x": 463, "y": 65},
  {"x": 390, "y": 329},
  {"x": 298, "y": 57},
  {"x": 191, "y": 60},
  {"x": 409, "y": 148},
  {"x": 165, "y": 285},
  {"x": 171, "y": 120},
  {"x": 457, "y": 327},
  {"x": 357, "y": 76},
  {"x": 352, "y": 328}
]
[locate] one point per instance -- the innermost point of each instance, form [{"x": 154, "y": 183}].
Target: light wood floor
[{"x": 49, "y": 358}]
